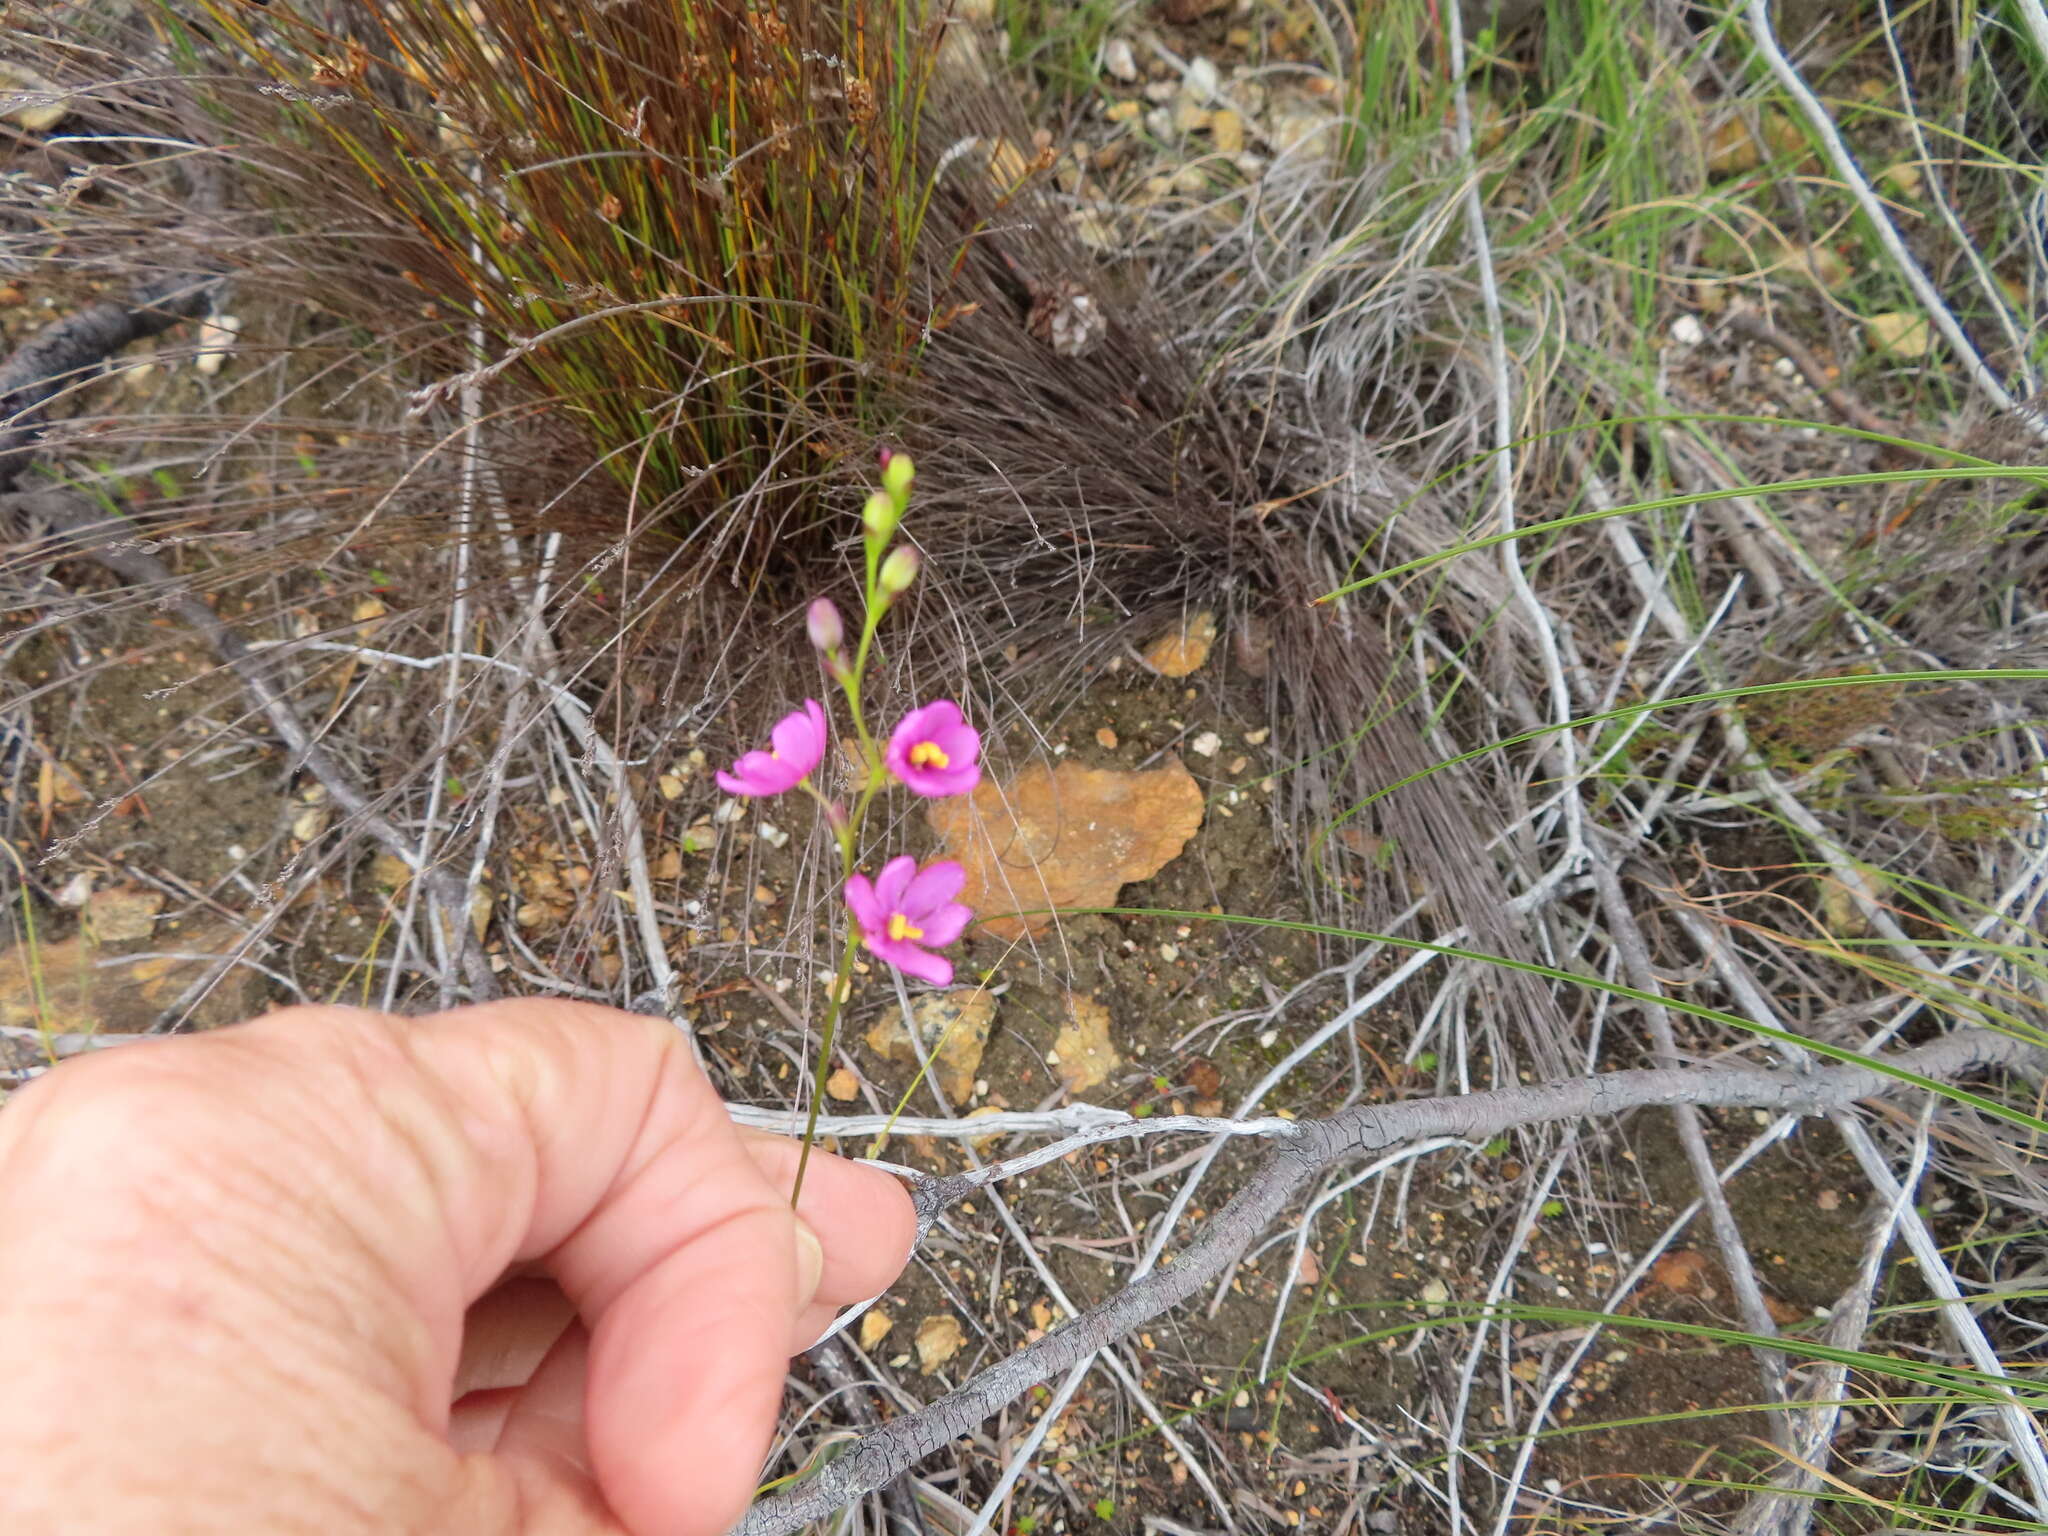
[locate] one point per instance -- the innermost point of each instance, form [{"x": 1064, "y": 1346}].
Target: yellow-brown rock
[
  {"x": 1063, "y": 839},
  {"x": 954, "y": 1028},
  {"x": 79, "y": 987},
  {"x": 1086, "y": 1058},
  {"x": 1183, "y": 649}
]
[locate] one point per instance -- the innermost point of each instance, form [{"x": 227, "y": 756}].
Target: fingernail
[{"x": 810, "y": 1262}]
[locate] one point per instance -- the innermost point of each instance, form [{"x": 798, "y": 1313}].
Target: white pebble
[
  {"x": 1117, "y": 59},
  {"x": 1205, "y": 745},
  {"x": 1687, "y": 331},
  {"x": 1201, "y": 80},
  {"x": 773, "y": 835},
  {"x": 216, "y": 341}
]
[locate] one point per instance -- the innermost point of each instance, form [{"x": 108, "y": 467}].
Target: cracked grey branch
[
  {"x": 879, "y": 1458},
  {"x": 42, "y": 366}
]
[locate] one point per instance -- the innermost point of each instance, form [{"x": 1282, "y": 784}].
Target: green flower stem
[{"x": 848, "y": 837}]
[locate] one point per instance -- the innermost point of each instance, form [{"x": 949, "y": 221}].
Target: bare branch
[
  {"x": 96, "y": 535},
  {"x": 49, "y": 361},
  {"x": 879, "y": 1458}
]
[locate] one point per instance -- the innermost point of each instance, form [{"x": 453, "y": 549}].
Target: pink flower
[
  {"x": 798, "y": 745},
  {"x": 906, "y": 907},
  {"x": 934, "y": 750}
]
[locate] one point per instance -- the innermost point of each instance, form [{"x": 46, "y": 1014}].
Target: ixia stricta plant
[{"x": 905, "y": 914}]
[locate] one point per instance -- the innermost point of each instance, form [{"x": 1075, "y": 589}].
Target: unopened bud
[
  {"x": 899, "y": 570},
  {"x": 880, "y": 516},
  {"x": 823, "y": 622},
  {"x": 897, "y": 475}
]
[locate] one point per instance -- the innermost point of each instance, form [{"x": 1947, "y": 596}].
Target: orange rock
[
  {"x": 1183, "y": 648},
  {"x": 1685, "y": 1272},
  {"x": 1064, "y": 838}
]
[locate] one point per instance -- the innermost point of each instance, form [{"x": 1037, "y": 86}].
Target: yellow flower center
[
  {"x": 901, "y": 928},
  {"x": 926, "y": 754}
]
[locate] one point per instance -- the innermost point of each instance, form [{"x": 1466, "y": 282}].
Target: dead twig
[
  {"x": 43, "y": 366},
  {"x": 109, "y": 542},
  {"x": 879, "y": 1458},
  {"x": 1748, "y": 322}
]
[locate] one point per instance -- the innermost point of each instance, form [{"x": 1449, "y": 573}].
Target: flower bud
[
  {"x": 897, "y": 475},
  {"x": 827, "y": 632},
  {"x": 899, "y": 570},
  {"x": 880, "y": 516}
]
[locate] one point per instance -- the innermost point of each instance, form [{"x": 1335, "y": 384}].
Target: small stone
[
  {"x": 1190, "y": 116},
  {"x": 122, "y": 914},
  {"x": 1226, "y": 131},
  {"x": 1904, "y": 336},
  {"x": 938, "y": 1340},
  {"x": 669, "y": 785},
  {"x": 953, "y": 1028},
  {"x": 1205, "y": 745},
  {"x": 773, "y": 835},
  {"x": 764, "y": 896},
  {"x": 1202, "y": 79},
  {"x": 1160, "y": 92},
  {"x": 1183, "y": 649},
  {"x": 36, "y": 105},
  {"x": 1064, "y": 838},
  {"x": 1086, "y": 1057},
  {"x": 1435, "y": 1296},
  {"x": 1118, "y": 61},
  {"x": 1297, "y": 128},
  {"x": 216, "y": 341},
  {"x": 1257, "y": 738},
  {"x": 1687, "y": 331},
  {"x": 1124, "y": 111},
  {"x": 1903, "y": 179},
  {"x": 1169, "y": 953},
  {"x": 874, "y": 1327},
  {"x": 1106, "y": 739},
  {"x": 843, "y": 1086},
  {"x": 1828, "y": 1200}
]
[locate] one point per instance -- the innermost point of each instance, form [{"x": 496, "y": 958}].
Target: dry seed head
[{"x": 860, "y": 101}]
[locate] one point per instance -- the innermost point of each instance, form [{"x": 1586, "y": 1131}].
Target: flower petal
[
  {"x": 799, "y": 738},
  {"x": 865, "y": 906},
  {"x": 935, "y": 885},
  {"x": 891, "y": 883},
  {"x": 947, "y": 923},
  {"x": 922, "y": 964}
]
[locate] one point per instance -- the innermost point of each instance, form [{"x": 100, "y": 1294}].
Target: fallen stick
[
  {"x": 110, "y": 542},
  {"x": 61, "y": 352},
  {"x": 880, "y": 1457}
]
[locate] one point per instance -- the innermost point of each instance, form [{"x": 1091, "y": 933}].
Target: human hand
[{"x": 235, "y": 1270}]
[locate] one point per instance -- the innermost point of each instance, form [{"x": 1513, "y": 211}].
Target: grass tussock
[{"x": 688, "y": 232}]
